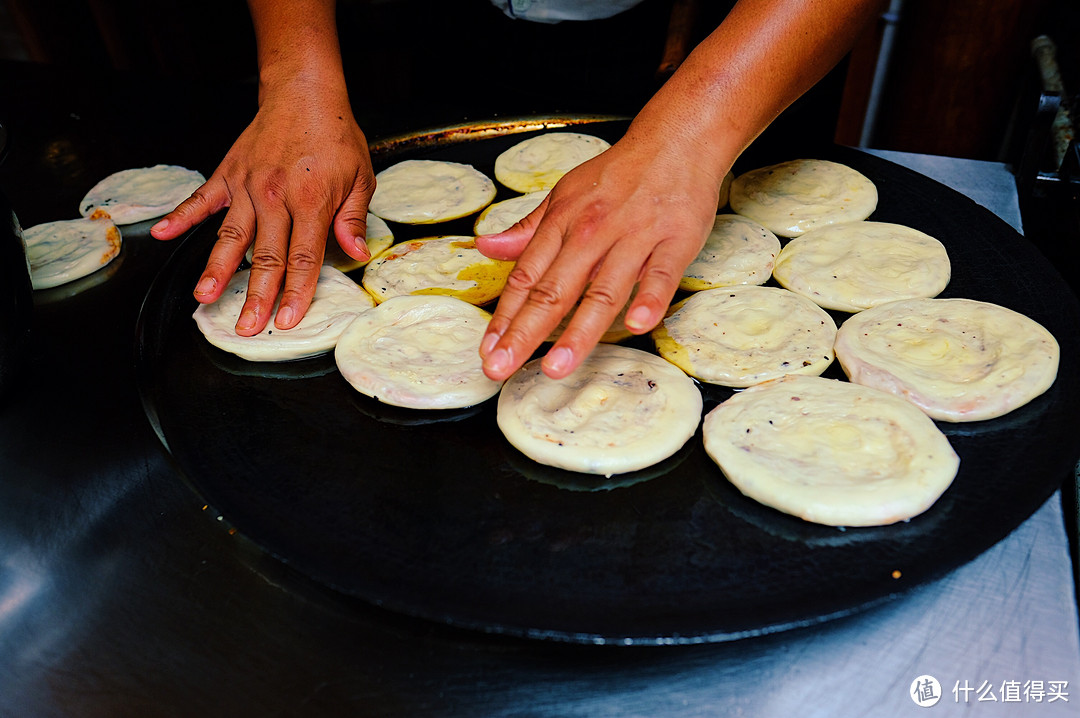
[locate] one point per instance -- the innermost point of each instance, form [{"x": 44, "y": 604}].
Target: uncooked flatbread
[
  {"x": 501, "y": 216},
  {"x": 956, "y": 359},
  {"x": 142, "y": 193},
  {"x": 539, "y": 162},
  {"x": 418, "y": 352},
  {"x": 338, "y": 300},
  {"x": 794, "y": 197},
  {"x": 428, "y": 191},
  {"x": 854, "y": 266},
  {"x": 63, "y": 251},
  {"x": 378, "y": 239},
  {"x": 621, "y": 410},
  {"x": 738, "y": 250},
  {"x": 438, "y": 265},
  {"x": 830, "y": 452},
  {"x": 740, "y": 336}
]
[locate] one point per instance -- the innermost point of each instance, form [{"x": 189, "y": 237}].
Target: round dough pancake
[
  {"x": 830, "y": 452},
  {"x": 429, "y": 191},
  {"x": 796, "y": 196},
  {"x": 501, "y": 216},
  {"x": 854, "y": 266},
  {"x": 740, "y": 336},
  {"x": 539, "y": 162},
  {"x": 738, "y": 250},
  {"x": 956, "y": 359},
  {"x": 338, "y": 300},
  {"x": 449, "y": 265},
  {"x": 418, "y": 352},
  {"x": 621, "y": 410},
  {"x": 378, "y": 239},
  {"x": 63, "y": 251},
  {"x": 142, "y": 193}
]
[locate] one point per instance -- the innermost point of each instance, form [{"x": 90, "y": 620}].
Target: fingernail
[
  {"x": 361, "y": 244},
  {"x": 558, "y": 359},
  {"x": 488, "y": 343},
  {"x": 498, "y": 361},
  {"x": 160, "y": 225},
  {"x": 247, "y": 319},
  {"x": 205, "y": 286},
  {"x": 285, "y": 317},
  {"x": 638, "y": 318}
]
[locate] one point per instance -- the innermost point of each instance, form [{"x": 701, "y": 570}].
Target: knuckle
[
  {"x": 303, "y": 259},
  {"x": 660, "y": 275},
  {"x": 267, "y": 258},
  {"x": 522, "y": 278},
  {"x": 231, "y": 234},
  {"x": 547, "y": 293},
  {"x": 604, "y": 295}
]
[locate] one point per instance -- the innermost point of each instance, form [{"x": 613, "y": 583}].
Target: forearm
[
  {"x": 763, "y": 56},
  {"x": 297, "y": 45}
]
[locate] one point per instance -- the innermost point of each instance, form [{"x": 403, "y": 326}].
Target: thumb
[
  {"x": 350, "y": 223},
  {"x": 510, "y": 243}
]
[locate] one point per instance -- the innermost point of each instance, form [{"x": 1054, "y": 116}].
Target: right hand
[{"x": 300, "y": 169}]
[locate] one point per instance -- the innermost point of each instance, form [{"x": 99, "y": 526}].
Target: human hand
[
  {"x": 299, "y": 169},
  {"x": 637, "y": 214}
]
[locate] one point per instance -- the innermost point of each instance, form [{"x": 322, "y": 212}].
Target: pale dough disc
[
  {"x": 503, "y": 215},
  {"x": 337, "y": 301},
  {"x": 854, "y": 266},
  {"x": 418, "y": 352},
  {"x": 830, "y": 452},
  {"x": 740, "y": 336},
  {"x": 738, "y": 250},
  {"x": 378, "y": 238},
  {"x": 63, "y": 251},
  {"x": 956, "y": 359},
  {"x": 142, "y": 193},
  {"x": 794, "y": 197},
  {"x": 429, "y": 191},
  {"x": 539, "y": 162},
  {"x": 438, "y": 265},
  {"x": 621, "y": 410}
]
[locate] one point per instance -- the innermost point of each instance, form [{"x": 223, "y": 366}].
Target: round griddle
[{"x": 434, "y": 514}]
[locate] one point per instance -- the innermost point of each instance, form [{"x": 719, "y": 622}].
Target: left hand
[{"x": 637, "y": 214}]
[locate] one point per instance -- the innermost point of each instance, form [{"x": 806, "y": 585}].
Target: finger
[
  {"x": 207, "y": 200},
  {"x": 526, "y": 272},
  {"x": 307, "y": 244},
  {"x": 350, "y": 222},
  {"x": 268, "y": 261},
  {"x": 657, "y": 283},
  {"x": 235, "y": 234},
  {"x": 543, "y": 286},
  {"x": 510, "y": 243},
  {"x": 601, "y": 302}
]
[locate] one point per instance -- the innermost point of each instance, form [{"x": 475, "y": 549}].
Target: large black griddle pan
[{"x": 433, "y": 514}]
